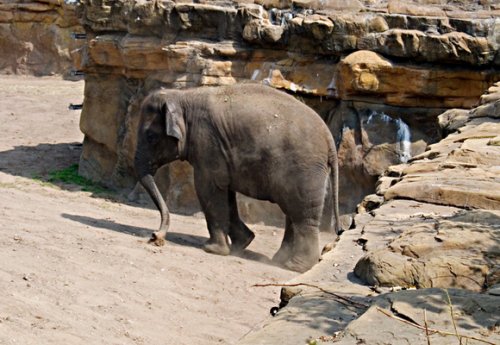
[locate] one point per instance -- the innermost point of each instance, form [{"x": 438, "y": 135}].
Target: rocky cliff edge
[{"x": 432, "y": 229}]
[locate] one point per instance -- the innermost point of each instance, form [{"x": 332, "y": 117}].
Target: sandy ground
[{"x": 76, "y": 268}]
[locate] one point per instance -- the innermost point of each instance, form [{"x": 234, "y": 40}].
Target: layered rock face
[
  {"x": 378, "y": 72},
  {"x": 443, "y": 209},
  {"x": 35, "y": 37},
  {"x": 433, "y": 228}
]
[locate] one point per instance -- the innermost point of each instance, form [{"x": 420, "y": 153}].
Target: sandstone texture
[
  {"x": 318, "y": 317},
  {"x": 35, "y": 37},
  {"x": 432, "y": 227},
  {"x": 457, "y": 245},
  {"x": 378, "y": 72}
]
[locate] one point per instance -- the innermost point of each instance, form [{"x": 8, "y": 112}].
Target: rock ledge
[{"x": 433, "y": 228}]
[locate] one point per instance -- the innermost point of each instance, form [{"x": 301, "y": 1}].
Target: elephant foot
[
  {"x": 157, "y": 238},
  {"x": 282, "y": 256},
  {"x": 297, "y": 266},
  {"x": 216, "y": 248},
  {"x": 300, "y": 263},
  {"x": 239, "y": 243}
]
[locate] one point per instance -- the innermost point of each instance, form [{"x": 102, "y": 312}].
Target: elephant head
[{"x": 160, "y": 139}]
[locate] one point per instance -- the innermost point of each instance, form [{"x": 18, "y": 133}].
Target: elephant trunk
[{"x": 149, "y": 184}]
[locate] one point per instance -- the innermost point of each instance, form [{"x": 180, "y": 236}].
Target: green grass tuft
[{"x": 70, "y": 175}]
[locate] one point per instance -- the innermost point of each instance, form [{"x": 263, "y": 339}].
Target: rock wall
[
  {"x": 35, "y": 37},
  {"x": 378, "y": 72},
  {"x": 432, "y": 228},
  {"x": 457, "y": 244}
]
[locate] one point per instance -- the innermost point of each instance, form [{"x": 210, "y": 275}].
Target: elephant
[{"x": 247, "y": 138}]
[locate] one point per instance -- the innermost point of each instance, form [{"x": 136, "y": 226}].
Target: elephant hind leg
[
  {"x": 241, "y": 236},
  {"x": 284, "y": 253},
  {"x": 299, "y": 250},
  {"x": 304, "y": 252}
]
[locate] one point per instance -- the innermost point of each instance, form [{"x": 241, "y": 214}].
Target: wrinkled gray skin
[{"x": 246, "y": 138}]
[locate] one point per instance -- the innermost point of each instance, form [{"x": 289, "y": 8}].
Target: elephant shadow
[
  {"x": 181, "y": 239},
  {"x": 106, "y": 224}
]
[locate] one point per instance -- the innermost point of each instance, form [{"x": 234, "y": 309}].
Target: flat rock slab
[
  {"x": 308, "y": 316},
  {"x": 394, "y": 217},
  {"x": 456, "y": 251},
  {"x": 401, "y": 318},
  {"x": 393, "y": 318}
]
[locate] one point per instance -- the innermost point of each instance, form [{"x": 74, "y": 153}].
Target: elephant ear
[
  {"x": 173, "y": 120},
  {"x": 174, "y": 124}
]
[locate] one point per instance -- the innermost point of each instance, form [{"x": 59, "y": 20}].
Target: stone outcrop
[
  {"x": 452, "y": 247},
  {"x": 378, "y": 72},
  {"x": 432, "y": 227},
  {"x": 436, "y": 251},
  {"x": 35, "y": 37},
  {"x": 318, "y": 317}
]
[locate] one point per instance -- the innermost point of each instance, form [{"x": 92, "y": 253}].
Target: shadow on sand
[
  {"x": 181, "y": 239},
  {"x": 38, "y": 161}
]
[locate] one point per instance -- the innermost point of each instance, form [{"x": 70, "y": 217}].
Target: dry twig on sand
[
  {"x": 341, "y": 299},
  {"x": 426, "y": 328},
  {"x": 452, "y": 317},
  {"x": 431, "y": 330}
]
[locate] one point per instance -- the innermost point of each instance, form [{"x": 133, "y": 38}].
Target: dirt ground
[{"x": 77, "y": 269}]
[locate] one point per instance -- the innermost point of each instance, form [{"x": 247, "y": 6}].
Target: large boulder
[
  {"x": 369, "y": 76},
  {"x": 458, "y": 251}
]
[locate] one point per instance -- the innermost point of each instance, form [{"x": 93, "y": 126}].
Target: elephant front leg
[
  {"x": 215, "y": 206},
  {"x": 241, "y": 236},
  {"x": 217, "y": 243}
]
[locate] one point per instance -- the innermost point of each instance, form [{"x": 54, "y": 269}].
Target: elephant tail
[{"x": 334, "y": 177}]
